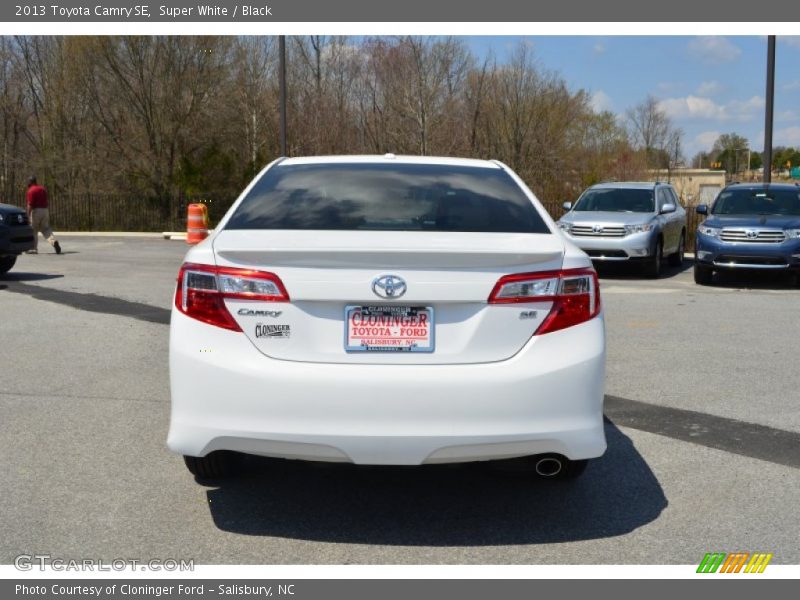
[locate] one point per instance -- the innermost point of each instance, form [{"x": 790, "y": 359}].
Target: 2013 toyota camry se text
[{"x": 387, "y": 310}]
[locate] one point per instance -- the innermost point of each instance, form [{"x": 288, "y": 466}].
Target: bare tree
[{"x": 652, "y": 131}]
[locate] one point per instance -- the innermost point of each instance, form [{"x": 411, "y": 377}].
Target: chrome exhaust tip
[{"x": 548, "y": 466}]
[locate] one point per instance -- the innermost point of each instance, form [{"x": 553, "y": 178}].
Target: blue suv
[{"x": 749, "y": 226}]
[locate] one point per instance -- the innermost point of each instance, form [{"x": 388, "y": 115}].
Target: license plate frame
[{"x": 389, "y": 310}]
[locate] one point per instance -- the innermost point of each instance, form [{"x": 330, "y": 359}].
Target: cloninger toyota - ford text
[{"x": 387, "y": 310}]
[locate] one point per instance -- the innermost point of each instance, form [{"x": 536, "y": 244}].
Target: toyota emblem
[
  {"x": 751, "y": 234},
  {"x": 389, "y": 286},
  {"x": 597, "y": 229}
]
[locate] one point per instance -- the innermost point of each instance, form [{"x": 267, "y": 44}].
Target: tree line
[
  {"x": 161, "y": 117},
  {"x": 732, "y": 153}
]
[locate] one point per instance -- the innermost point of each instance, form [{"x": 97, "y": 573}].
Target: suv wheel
[
  {"x": 6, "y": 262},
  {"x": 216, "y": 465},
  {"x": 653, "y": 268},
  {"x": 702, "y": 274},
  {"x": 676, "y": 260}
]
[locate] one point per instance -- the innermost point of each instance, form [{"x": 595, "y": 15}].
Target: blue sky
[{"x": 708, "y": 85}]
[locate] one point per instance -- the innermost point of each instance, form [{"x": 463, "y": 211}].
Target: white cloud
[
  {"x": 710, "y": 88},
  {"x": 601, "y": 101},
  {"x": 697, "y": 107},
  {"x": 706, "y": 139},
  {"x": 791, "y": 86},
  {"x": 692, "y": 107},
  {"x": 789, "y": 136},
  {"x": 787, "y": 115},
  {"x": 713, "y": 50},
  {"x": 669, "y": 87},
  {"x": 790, "y": 40},
  {"x": 599, "y": 48}
]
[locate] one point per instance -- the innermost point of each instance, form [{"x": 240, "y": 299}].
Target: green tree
[{"x": 731, "y": 150}]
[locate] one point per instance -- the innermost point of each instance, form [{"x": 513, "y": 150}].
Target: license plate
[{"x": 388, "y": 329}]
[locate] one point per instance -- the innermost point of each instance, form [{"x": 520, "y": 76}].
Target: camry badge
[
  {"x": 389, "y": 286},
  {"x": 249, "y": 312}
]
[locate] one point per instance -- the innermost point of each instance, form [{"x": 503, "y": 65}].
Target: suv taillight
[
  {"x": 202, "y": 290},
  {"x": 575, "y": 294}
]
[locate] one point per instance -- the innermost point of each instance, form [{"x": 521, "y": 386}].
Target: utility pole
[
  {"x": 282, "y": 85},
  {"x": 770, "y": 104}
]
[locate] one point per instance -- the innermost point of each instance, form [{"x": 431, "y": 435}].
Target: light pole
[
  {"x": 282, "y": 86},
  {"x": 770, "y": 103}
]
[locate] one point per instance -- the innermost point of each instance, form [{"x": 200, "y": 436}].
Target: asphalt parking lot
[{"x": 703, "y": 425}]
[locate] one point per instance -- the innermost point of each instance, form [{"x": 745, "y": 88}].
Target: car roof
[
  {"x": 10, "y": 207},
  {"x": 632, "y": 185},
  {"x": 392, "y": 158},
  {"x": 761, "y": 186}
]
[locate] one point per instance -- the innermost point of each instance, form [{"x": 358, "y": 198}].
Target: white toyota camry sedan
[{"x": 387, "y": 310}]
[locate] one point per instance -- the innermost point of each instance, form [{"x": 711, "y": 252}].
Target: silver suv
[{"x": 625, "y": 221}]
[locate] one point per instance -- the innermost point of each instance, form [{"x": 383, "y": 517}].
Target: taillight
[
  {"x": 202, "y": 290},
  {"x": 575, "y": 294}
]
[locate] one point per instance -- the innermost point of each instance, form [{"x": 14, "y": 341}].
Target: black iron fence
[
  {"x": 100, "y": 212},
  {"x": 120, "y": 213}
]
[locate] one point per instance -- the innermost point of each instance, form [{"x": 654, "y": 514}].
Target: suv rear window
[{"x": 391, "y": 197}]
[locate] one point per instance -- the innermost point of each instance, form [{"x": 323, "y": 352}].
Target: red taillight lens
[
  {"x": 575, "y": 294},
  {"x": 202, "y": 290}
]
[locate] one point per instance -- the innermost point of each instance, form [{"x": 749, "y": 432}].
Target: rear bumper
[
  {"x": 16, "y": 240},
  {"x": 714, "y": 253},
  {"x": 227, "y": 395},
  {"x": 637, "y": 245}
]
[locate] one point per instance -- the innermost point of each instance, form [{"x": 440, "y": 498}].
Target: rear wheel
[
  {"x": 653, "y": 268},
  {"x": 676, "y": 260},
  {"x": 557, "y": 467},
  {"x": 6, "y": 262},
  {"x": 215, "y": 465},
  {"x": 702, "y": 274}
]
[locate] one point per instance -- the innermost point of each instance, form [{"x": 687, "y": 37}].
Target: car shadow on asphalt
[
  {"x": 633, "y": 271},
  {"x": 23, "y": 276},
  {"x": 755, "y": 280},
  {"x": 443, "y": 505}
]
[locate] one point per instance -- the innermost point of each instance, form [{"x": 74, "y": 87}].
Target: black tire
[
  {"x": 216, "y": 465},
  {"x": 702, "y": 274},
  {"x": 6, "y": 262},
  {"x": 653, "y": 265},
  {"x": 676, "y": 260},
  {"x": 543, "y": 467}
]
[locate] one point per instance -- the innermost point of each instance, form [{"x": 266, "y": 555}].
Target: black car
[{"x": 16, "y": 235}]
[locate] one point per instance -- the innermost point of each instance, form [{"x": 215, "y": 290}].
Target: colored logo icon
[{"x": 736, "y": 562}]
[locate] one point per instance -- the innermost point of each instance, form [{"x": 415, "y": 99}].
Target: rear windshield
[
  {"x": 617, "y": 200},
  {"x": 758, "y": 202},
  {"x": 391, "y": 197}
]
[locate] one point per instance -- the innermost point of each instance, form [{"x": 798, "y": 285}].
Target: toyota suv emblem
[
  {"x": 597, "y": 229},
  {"x": 751, "y": 234},
  {"x": 389, "y": 286}
]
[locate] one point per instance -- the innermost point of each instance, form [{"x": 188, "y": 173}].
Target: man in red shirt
[{"x": 39, "y": 215}]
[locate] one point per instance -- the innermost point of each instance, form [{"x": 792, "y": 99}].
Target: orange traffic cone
[{"x": 197, "y": 224}]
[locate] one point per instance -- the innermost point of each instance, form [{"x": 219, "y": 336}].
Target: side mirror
[
  {"x": 668, "y": 208},
  {"x": 701, "y": 209},
  {"x": 567, "y": 206}
]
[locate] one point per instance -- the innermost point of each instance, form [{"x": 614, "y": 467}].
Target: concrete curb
[
  {"x": 167, "y": 235},
  {"x": 129, "y": 234}
]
